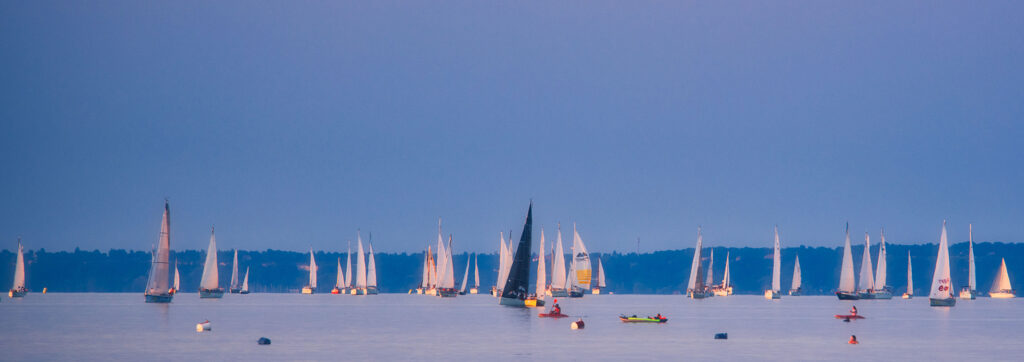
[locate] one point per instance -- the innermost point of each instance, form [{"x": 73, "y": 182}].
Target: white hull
[
  {"x": 307, "y": 290},
  {"x": 1003, "y": 294},
  {"x": 772, "y": 294}
]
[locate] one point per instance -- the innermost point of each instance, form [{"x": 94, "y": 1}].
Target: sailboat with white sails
[
  {"x": 476, "y": 275},
  {"x": 847, "y": 281},
  {"x": 797, "y": 288},
  {"x": 311, "y": 287},
  {"x": 209, "y": 286},
  {"x": 941, "y": 294},
  {"x": 446, "y": 271},
  {"x": 558, "y": 276},
  {"x": 600, "y": 278},
  {"x": 234, "y": 286},
  {"x": 18, "y": 289},
  {"x": 339, "y": 283},
  {"x": 177, "y": 278},
  {"x": 695, "y": 288},
  {"x": 157, "y": 288},
  {"x": 360, "y": 286},
  {"x": 371, "y": 271},
  {"x": 879, "y": 290},
  {"x": 724, "y": 289},
  {"x": 971, "y": 290},
  {"x": 537, "y": 298},
  {"x": 581, "y": 272},
  {"x": 867, "y": 279},
  {"x": 1001, "y": 288},
  {"x": 245, "y": 282},
  {"x": 910, "y": 279},
  {"x": 465, "y": 278},
  {"x": 776, "y": 290}
]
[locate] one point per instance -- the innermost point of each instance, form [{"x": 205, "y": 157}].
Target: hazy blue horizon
[{"x": 292, "y": 125}]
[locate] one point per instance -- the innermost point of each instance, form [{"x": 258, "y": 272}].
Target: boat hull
[
  {"x": 967, "y": 294},
  {"x": 559, "y": 293},
  {"x": 772, "y": 294},
  {"x": 17, "y": 293},
  {"x": 908, "y": 296},
  {"x": 371, "y": 291},
  {"x": 473, "y": 290},
  {"x": 447, "y": 293},
  {"x": 625, "y": 319},
  {"x": 576, "y": 293},
  {"x": 512, "y": 302},
  {"x": 357, "y": 291},
  {"x": 244, "y": 292},
  {"x": 533, "y": 302},
  {"x": 722, "y": 292},
  {"x": 235, "y": 291},
  {"x": 692, "y": 294},
  {"x": 876, "y": 294},
  {"x": 211, "y": 293},
  {"x": 1003, "y": 294},
  {"x": 595, "y": 291},
  {"x": 307, "y": 290},
  {"x": 847, "y": 296},
  {"x": 796, "y": 292},
  {"x": 159, "y": 298},
  {"x": 942, "y": 302}
]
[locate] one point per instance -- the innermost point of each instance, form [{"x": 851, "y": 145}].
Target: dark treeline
[{"x": 661, "y": 272}]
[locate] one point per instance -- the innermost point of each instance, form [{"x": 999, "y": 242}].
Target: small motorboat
[
  {"x": 552, "y": 315},
  {"x": 204, "y": 326},
  {"x": 635, "y": 319}
]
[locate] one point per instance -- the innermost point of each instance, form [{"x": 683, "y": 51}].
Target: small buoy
[
  {"x": 203, "y": 327},
  {"x": 577, "y": 324},
  {"x": 721, "y": 335},
  {"x": 263, "y": 340}
]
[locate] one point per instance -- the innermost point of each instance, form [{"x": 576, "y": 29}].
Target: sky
[{"x": 291, "y": 125}]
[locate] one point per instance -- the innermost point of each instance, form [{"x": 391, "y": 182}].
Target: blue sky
[{"x": 291, "y": 125}]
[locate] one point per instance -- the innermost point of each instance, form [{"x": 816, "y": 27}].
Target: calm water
[{"x": 399, "y": 326}]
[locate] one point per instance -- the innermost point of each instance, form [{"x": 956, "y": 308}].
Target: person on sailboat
[{"x": 853, "y": 340}]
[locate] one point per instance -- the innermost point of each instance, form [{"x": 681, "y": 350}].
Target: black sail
[{"x": 518, "y": 286}]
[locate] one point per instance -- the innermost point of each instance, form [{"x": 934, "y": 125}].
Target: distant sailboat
[
  {"x": 348, "y": 270},
  {"x": 311, "y": 288},
  {"x": 446, "y": 272},
  {"x": 558, "y": 277},
  {"x": 709, "y": 278},
  {"x": 18, "y": 289},
  {"x": 476, "y": 275},
  {"x": 847, "y": 283},
  {"x": 695, "y": 288},
  {"x": 157, "y": 288},
  {"x": 177, "y": 278},
  {"x": 724, "y": 289},
  {"x": 431, "y": 288},
  {"x": 1001, "y": 288},
  {"x": 371, "y": 271},
  {"x": 465, "y": 279},
  {"x": 797, "y": 279},
  {"x": 580, "y": 265},
  {"x": 537, "y": 298},
  {"x": 425, "y": 277},
  {"x": 209, "y": 286},
  {"x": 881, "y": 290},
  {"x": 245, "y": 282},
  {"x": 234, "y": 287},
  {"x": 360, "y": 287},
  {"x": 600, "y": 278},
  {"x": 910, "y": 280},
  {"x": 971, "y": 290},
  {"x": 775, "y": 292},
  {"x": 867, "y": 279},
  {"x": 941, "y": 294},
  {"x": 516, "y": 288},
  {"x": 340, "y": 282}
]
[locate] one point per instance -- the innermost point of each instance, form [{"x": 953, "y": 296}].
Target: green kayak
[{"x": 635, "y": 319}]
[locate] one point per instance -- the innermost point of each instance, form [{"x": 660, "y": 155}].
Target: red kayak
[
  {"x": 552, "y": 315},
  {"x": 839, "y": 316}
]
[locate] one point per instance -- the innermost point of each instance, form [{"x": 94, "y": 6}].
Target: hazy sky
[{"x": 289, "y": 125}]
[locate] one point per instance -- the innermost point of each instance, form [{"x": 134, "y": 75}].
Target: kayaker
[
  {"x": 556, "y": 309},
  {"x": 853, "y": 311},
  {"x": 659, "y": 316},
  {"x": 853, "y": 340}
]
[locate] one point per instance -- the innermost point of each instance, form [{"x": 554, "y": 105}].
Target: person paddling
[
  {"x": 853, "y": 340},
  {"x": 556, "y": 309},
  {"x": 853, "y": 311}
]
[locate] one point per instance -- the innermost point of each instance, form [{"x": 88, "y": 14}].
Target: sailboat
[
  {"x": 446, "y": 276},
  {"x": 881, "y": 290},
  {"x": 537, "y": 298},
  {"x": 600, "y": 278},
  {"x": 476, "y": 275},
  {"x": 867, "y": 280},
  {"x": 775, "y": 291},
  {"x": 18, "y": 289},
  {"x": 360, "y": 286},
  {"x": 971, "y": 290},
  {"x": 580, "y": 265},
  {"x": 695, "y": 288},
  {"x": 177, "y": 279},
  {"x": 941, "y": 294},
  {"x": 431, "y": 269},
  {"x": 245, "y": 283},
  {"x": 796, "y": 289},
  {"x": 311, "y": 288},
  {"x": 425, "y": 278},
  {"x": 234, "y": 287},
  {"x": 517, "y": 287},
  {"x": 558, "y": 277},
  {"x": 465, "y": 279},
  {"x": 1001, "y": 288},
  {"x": 910, "y": 280},
  {"x": 724, "y": 289},
  {"x": 209, "y": 286},
  {"x": 847, "y": 283},
  {"x": 157, "y": 288},
  {"x": 371, "y": 271},
  {"x": 340, "y": 282},
  {"x": 505, "y": 254}
]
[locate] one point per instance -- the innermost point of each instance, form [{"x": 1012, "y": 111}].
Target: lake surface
[{"x": 86, "y": 326}]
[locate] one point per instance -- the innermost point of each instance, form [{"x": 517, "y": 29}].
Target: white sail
[
  {"x": 360, "y": 263},
  {"x": 847, "y": 282},
  {"x": 1002, "y": 281},
  {"x": 570, "y": 281},
  {"x": 340, "y": 282},
  {"x": 502, "y": 262},
  {"x": 476, "y": 271},
  {"x": 245, "y": 281},
  {"x": 431, "y": 269},
  {"x": 797, "y": 277},
  {"x": 348, "y": 265},
  {"x": 880, "y": 268},
  {"x": 447, "y": 277},
  {"x": 580, "y": 260},
  {"x": 600, "y": 274},
  {"x": 371, "y": 268},
  {"x": 542, "y": 274},
  {"x": 910, "y": 276},
  {"x": 695, "y": 263},
  {"x": 711, "y": 267},
  {"x": 558, "y": 263},
  {"x": 972, "y": 279},
  {"x": 442, "y": 256},
  {"x": 425, "y": 282},
  {"x": 725, "y": 275},
  {"x": 19, "y": 268},
  {"x": 866, "y": 280},
  {"x": 777, "y": 264},
  {"x": 159, "y": 270},
  {"x": 942, "y": 285},
  {"x": 465, "y": 278},
  {"x": 211, "y": 279},
  {"x": 177, "y": 278},
  {"x": 234, "y": 272},
  {"x": 312, "y": 269}
]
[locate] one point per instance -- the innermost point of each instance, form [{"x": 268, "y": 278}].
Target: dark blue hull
[{"x": 159, "y": 298}]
